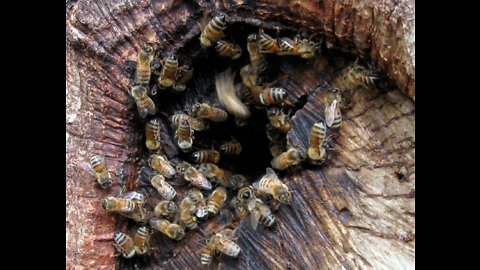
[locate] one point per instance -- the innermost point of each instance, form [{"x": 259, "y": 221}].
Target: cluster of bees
[{"x": 171, "y": 219}]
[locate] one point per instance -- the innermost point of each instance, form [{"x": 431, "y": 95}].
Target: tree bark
[{"x": 356, "y": 212}]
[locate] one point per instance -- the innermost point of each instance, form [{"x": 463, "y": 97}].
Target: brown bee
[
  {"x": 216, "y": 200},
  {"x": 227, "y": 96},
  {"x": 172, "y": 230},
  {"x": 98, "y": 167},
  {"x": 316, "y": 151},
  {"x": 259, "y": 211},
  {"x": 289, "y": 158},
  {"x": 144, "y": 103},
  {"x": 140, "y": 239},
  {"x": 265, "y": 43},
  {"x": 232, "y": 147},
  {"x": 152, "y": 134},
  {"x": 272, "y": 95},
  {"x": 224, "y": 245},
  {"x": 251, "y": 91},
  {"x": 240, "y": 210},
  {"x": 206, "y": 156},
  {"x": 270, "y": 184},
  {"x": 162, "y": 165},
  {"x": 304, "y": 48},
  {"x": 237, "y": 181},
  {"x": 143, "y": 71},
  {"x": 165, "y": 208},
  {"x": 169, "y": 70},
  {"x": 279, "y": 119},
  {"x": 163, "y": 187},
  {"x": 125, "y": 207},
  {"x": 333, "y": 115},
  {"x": 206, "y": 254},
  {"x": 228, "y": 49},
  {"x": 188, "y": 219},
  {"x": 184, "y": 136},
  {"x": 190, "y": 174},
  {"x": 124, "y": 244},
  {"x": 257, "y": 60},
  {"x": 184, "y": 75},
  {"x": 195, "y": 124},
  {"x": 205, "y": 111},
  {"x": 213, "y": 30}
]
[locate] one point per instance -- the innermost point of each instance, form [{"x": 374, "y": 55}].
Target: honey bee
[
  {"x": 205, "y": 111},
  {"x": 232, "y": 147},
  {"x": 188, "y": 219},
  {"x": 144, "y": 103},
  {"x": 257, "y": 60},
  {"x": 224, "y": 245},
  {"x": 136, "y": 197},
  {"x": 250, "y": 80},
  {"x": 163, "y": 187},
  {"x": 213, "y": 30},
  {"x": 202, "y": 210},
  {"x": 213, "y": 172},
  {"x": 118, "y": 205},
  {"x": 289, "y": 158},
  {"x": 206, "y": 156},
  {"x": 270, "y": 184},
  {"x": 244, "y": 195},
  {"x": 300, "y": 47},
  {"x": 216, "y": 200},
  {"x": 195, "y": 124},
  {"x": 279, "y": 119},
  {"x": 259, "y": 211},
  {"x": 316, "y": 151},
  {"x": 206, "y": 254},
  {"x": 143, "y": 71},
  {"x": 227, "y": 97},
  {"x": 240, "y": 210},
  {"x": 162, "y": 165},
  {"x": 333, "y": 115},
  {"x": 140, "y": 239},
  {"x": 152, "y": 134},
  {"x": 237, "y": 181},
  {"x": 169, "y": 69},
  {"x": 191, "y": 200},
  {"x": 195, "y": 177},
  {"x": 172, "y": 230},
  {"x": 98, "y": 167},
  {"x": 124, "y": 244},
  {"x": 272, "y": 96},
  {"x": 184, "y": 134},
  {"x": 184, "y": 75},
  {"x": 165, "y": 208},
  {"x": 228, "y": 49},
  {"x": 266, "y": 44}
]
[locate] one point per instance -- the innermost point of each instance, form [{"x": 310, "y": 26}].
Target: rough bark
[{"x": 357, "y": 212}]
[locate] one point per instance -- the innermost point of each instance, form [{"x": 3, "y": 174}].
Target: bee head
[
  {"x": 172, "y": 57},
  {"x": 105, "y": 203},
  {"x": 196, "y": 156},
  {"x": 106, "y": 184},
  {"x": 284, "y": 196},
  {"x": 172, "y": 207}
]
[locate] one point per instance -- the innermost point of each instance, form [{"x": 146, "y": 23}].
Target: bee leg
[{"x": 153, "y": 91}]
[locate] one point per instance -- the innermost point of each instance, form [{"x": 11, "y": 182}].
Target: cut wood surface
[{"x": 356, "y": 212}]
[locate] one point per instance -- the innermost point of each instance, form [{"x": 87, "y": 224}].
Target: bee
[
  {"x": 191, "y": 200},
  {"x": 273, "y": 95},
  {"x": 259, "y": 211},
  {"x": 240, "y": 210},
  {"x": 172, "y": 230},
  {"x": 188, "y": 219},
  {"x": 333, "y": 115},
  {"x": 227, "y": 96},
  {"x": 213, "y": 30},
  {"x": 276, "y": 149},
  {"x": 162, "y": 165},
  {"x": 206, "y": 156},
  {"x": 270, "y": 184},
  {"x": 216, "y": 200},
  {"x": 205, "y": 111},
  {"x": 202, "y": 209},
  {"x": 167, "y": 74},
  {"x": 289, "y": 158},
  {"x": 98, "y": 167},
  {"x": 244, "y": 195},
  {"x": 184, "y": 75},
  {"x": 163, "y": 187},
  {"x": 195, "y": 124},
  {"x": 144, "y": 103},
  {"x": 265, "y": 43},
  {"x": 136, "y": 197},
  {"x": 279, "y": 119},
  {"x": 232, "y": 147},
  {"x": 194, "y": 176},
  {"x": 206, "y": 254},
  {"x": 213, "y": 172},
  {"x": 257, "y": 60},
  {"x": 224, "y": 245},
  {"x": 184, "y": 134},
  {"x": 118, "y": 205},
  {"x": 316, "y": 151},
  {"x": 251, "y": 91},
  {"x": 143, "y": 71},
  {"x": 152, "y": 134},
  {"x": 228, "y": 49},
  {"x": 140, "y": 239},
  {"x": 165, "y": 208},
  {"x": 124, "y": 244},
  {"x": 237, "y": 181},
  {"x": 300, "y": 47}
]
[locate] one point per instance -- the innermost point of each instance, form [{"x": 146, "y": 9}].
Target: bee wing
[
  {"x": 151, "y": 109},
  {"x": 254, "y": 217},
  {"x": 330, "y": 113},
  {"x": 90, "y": 169},
  {"x": 142, "y": 111},
  {"x": 270, "y": 171}
]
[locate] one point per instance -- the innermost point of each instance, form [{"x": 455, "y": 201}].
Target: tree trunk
[{"x": 355, "y": 212}]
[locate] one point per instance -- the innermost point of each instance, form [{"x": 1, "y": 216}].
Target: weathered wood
[{"x": 357, "y": 212}]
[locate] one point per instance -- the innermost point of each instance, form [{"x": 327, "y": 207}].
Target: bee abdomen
[
  {"x": 267, "y": 220},
  {"x": 272, "y": 96},
  {"x": 337, "y": 121}
]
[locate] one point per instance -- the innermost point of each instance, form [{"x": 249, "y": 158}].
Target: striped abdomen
[
  {"x": 216, "y": 200},
  {"x": 271, "y": 96},
  {"x": 317, "y": 136},
  {"x": 257, "y": 60},
  {"x": 267, "y": 219},
  {"x": 184, "y": 134},
  {"x": 161, "y": 164},
  {"x": 163, "y": 187},
  {"x": 124, "y": 244},
  {"x": 206, "y": 156},
  {"x": 165, "y": 208},
  {"x": 217, "y": 115},
  {"x": 228, "y": 49},
  {"x": 231, "y": 148},
  {"x": 99, "y": 169},
  {"x": 213, "y": 31},
  {"x": 266, "y": 44},
  {"x": 145, "y": 106},
  {"x": 183, "y": 77},
  {"x": 337, "y": 121},
  {"x": 287, "y": 47},
  {"x": 143, "y": 71},
  {"x": 152, "y": 134},
  {"x": 141, "y": 240},
  {"x": 206, "y": 255},
  {"x": 169, "y": 70},
  {"x": 188, "y": 219},
  {"x": 228, "y": 247}
]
